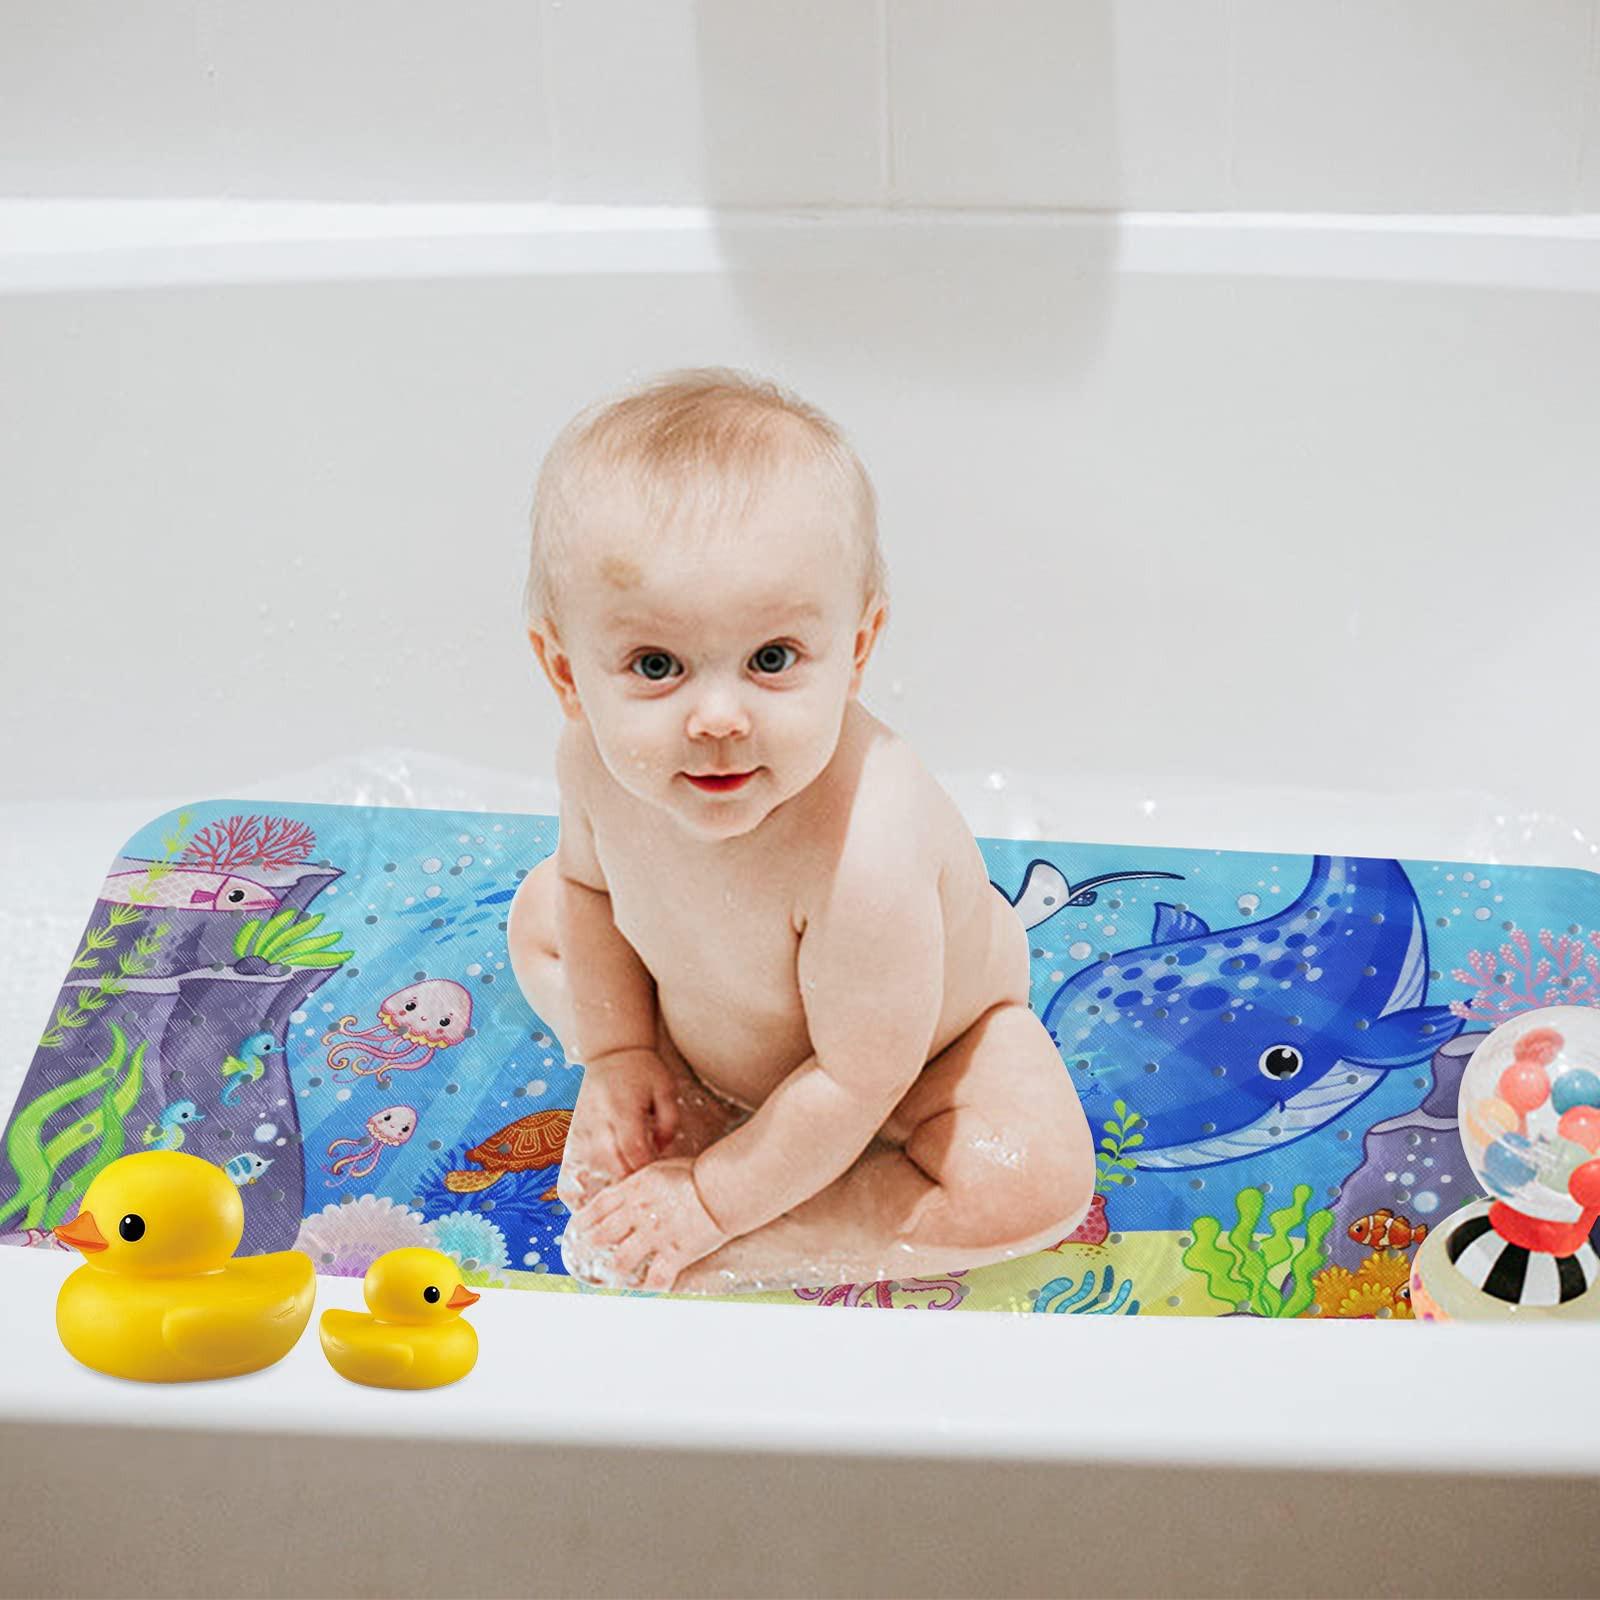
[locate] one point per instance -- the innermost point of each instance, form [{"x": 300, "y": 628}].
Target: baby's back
[{"x": 718, "y": 925}]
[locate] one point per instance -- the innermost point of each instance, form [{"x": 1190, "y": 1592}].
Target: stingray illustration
[
  {"x": 1241, "y": 1041},
  {"x": 1045, "y": 890}
]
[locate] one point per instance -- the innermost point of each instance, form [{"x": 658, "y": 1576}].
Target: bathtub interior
[
  {"x": 1183, "y": 549},
  {"x": 1178, "y": 555}
]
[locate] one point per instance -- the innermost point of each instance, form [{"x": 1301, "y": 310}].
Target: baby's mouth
[{"x": 720, "y": 782}]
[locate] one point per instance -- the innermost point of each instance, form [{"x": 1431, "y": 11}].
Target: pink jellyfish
[
  {"x": 414, "y": 1022},
  {"x": 387, "y": 1129}
]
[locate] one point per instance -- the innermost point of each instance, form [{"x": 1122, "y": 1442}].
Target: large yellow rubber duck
[
  {"x": 414, "y": 1338},
  {"x": 159, "y": 1299}
]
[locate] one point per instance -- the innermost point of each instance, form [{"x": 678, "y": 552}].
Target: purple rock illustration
[
  {"x": 169, "y": 1029},
  {"x": 1415, "y": 1168}
]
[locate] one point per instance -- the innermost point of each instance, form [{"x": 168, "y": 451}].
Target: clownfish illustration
[{"x": 1383, "y": 1230}]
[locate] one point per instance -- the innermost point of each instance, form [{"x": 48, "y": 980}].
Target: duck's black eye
[
  {"x": 1281, "y": 1061},
  {"x": 131, "y": 1228},
  {"x": 235, "y": 896},
  {"x": 430, "y": 1294}
]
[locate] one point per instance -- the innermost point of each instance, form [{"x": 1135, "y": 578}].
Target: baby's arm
[
  {"x": 625, "y": 1082},
  {"x": 871, "y": 970}
]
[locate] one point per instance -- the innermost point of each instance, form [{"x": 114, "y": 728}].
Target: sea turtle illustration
[{"x": 525, "y": 1145}]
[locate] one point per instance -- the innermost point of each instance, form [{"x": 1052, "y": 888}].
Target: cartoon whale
[{"x": 1234, "y": 1043}]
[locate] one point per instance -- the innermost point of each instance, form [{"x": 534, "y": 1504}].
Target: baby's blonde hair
[{"x": 705, "y": 439}]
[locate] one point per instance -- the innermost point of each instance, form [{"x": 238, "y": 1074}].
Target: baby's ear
[
  {"x": 557, "y": 668},
  {"x": 871, "y": 625}
]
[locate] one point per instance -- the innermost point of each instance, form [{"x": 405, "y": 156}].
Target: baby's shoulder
[
  {"x": 898, "y": 807},
  {"x": 577, "y": 762}
]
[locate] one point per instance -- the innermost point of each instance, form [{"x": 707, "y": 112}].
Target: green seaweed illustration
[
  {"x": 287, "y": 943},
  {"x": 1111, "y": 1165},
  {"x": 114, "y": 1086},
  {"x": 171, "y": 844},
  {"x": 131, "y": 963},
  {"x": 1238, "y": 1268}
]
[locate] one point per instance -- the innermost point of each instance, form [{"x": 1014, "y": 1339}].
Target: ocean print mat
[{"x": 1268, "y": 1048}]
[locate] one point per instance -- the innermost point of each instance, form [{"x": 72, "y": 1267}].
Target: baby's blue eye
[
  {"x": 774, "y": 657},
  {"x": 655, "y": 665}
]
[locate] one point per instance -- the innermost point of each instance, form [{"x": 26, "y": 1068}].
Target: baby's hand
[
  {"x": 642, "y": 1232},
  {"x": 627, "y": 1113}
]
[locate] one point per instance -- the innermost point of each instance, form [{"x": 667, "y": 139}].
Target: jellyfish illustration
[
  {"x": 386, "y": 1130},
  {"x": 412, "y": 1023}
]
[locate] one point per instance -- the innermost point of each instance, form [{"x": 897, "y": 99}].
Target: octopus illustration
[
  {"x": 413, "y": 1022},
  {"x": 386, "y": 1130}
]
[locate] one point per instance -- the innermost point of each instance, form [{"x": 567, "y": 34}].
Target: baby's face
[{"x": 714, "y": 671}]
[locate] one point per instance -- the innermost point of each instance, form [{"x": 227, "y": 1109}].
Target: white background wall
[{"x": 1182, "y": 105}]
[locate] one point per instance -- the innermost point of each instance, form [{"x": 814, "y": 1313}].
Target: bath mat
[{"x": 1268, "y": 1047}]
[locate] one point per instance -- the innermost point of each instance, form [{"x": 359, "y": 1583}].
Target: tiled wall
[{"x": 1305, "y": 105}]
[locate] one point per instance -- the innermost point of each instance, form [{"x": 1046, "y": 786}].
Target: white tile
[
  {"x": 1408, "y": 105},
  {"x": 1589, "y": 174},
  {"x": 737, "y": 102},
  {"x": 379, "y": 99},
  {"x": 102, "y": 99},
  {"x": 1094, "y": 104}
]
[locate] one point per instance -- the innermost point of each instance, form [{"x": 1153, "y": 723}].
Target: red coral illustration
[
  {"x": 1514, "y": 979},
  {"x": 253, "y": 841},
  {"x": 881, "y": 1295}
]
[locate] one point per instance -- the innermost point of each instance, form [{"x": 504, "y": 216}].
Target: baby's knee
[
  {"x": 532, "y": 921},
  {"x": 531, "y": 936},
  {"x": 1016, "y": 1186},
  {"x": 1050, "y": 1193}
]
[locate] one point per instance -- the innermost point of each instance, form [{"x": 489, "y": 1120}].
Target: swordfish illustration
[{"x": 1237, "y": 1042}]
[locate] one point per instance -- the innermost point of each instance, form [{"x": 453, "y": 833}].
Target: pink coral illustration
[
  {"x": 1515, "y": 979},
  {"x": 881, "y": 1295},
  {"x": 255, "y": 841}
]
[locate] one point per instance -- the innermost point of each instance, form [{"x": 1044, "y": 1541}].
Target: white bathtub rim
[
  {"x": 567, "y": 1370},
  {"x": 61, "y": 245}
]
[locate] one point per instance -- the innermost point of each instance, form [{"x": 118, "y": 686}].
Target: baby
[{"x": 766, "y": 932}]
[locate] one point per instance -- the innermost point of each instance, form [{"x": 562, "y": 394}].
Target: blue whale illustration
[{"x": 1237, "y": 1042}]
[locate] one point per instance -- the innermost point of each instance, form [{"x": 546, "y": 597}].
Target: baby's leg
[
  {"x": 703, "y": 1117},
  {"x": 988, "y": 1156},
  {"x": 535, "y": 950}
]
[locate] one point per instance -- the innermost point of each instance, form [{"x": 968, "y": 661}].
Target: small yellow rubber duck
[
  {"x": 160, "y": 1298},
  {"x": 415, "y": 1338}
]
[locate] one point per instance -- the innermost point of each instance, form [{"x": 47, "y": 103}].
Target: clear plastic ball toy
[{"x": 1530, "y": 1113}]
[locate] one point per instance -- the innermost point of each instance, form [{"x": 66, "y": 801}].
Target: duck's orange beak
[
  {"x": 81, "y": 1233},
  {"x": 462, "y": 1298}
]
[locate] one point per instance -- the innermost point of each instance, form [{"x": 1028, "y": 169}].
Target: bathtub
[{"x": 1246, "y": 532}]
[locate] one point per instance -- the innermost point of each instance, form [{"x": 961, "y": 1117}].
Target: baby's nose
[{"x": 718, "y": 714}]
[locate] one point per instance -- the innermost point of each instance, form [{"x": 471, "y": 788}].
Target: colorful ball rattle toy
[{"x": 1529, "y": 1116}]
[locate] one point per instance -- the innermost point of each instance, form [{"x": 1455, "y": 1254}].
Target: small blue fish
[
  {"x": 166, "y": 1132},
  {"x": 246, "y": 1168},
  {"x": 247, "y": 1066}
]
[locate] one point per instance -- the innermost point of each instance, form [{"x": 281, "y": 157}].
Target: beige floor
[{"x": 98, "y": 1512}]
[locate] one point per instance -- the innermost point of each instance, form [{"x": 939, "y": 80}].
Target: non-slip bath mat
[{"x": 1268, "y": 1047}]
